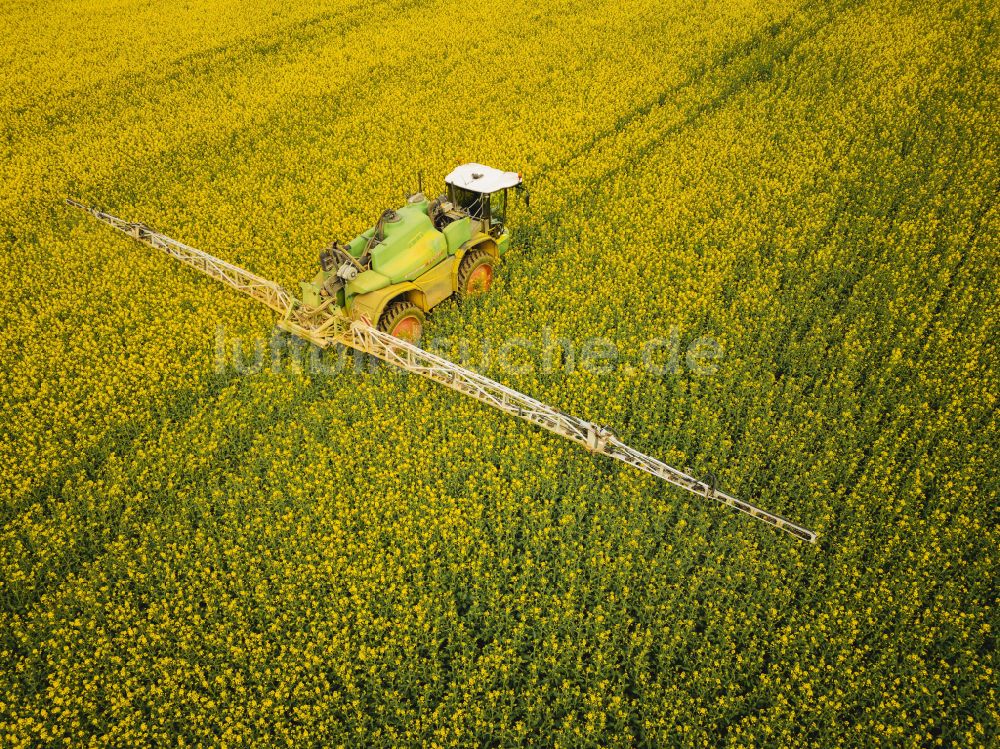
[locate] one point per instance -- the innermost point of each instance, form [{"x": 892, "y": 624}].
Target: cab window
[{"x": 473, "y": 203}]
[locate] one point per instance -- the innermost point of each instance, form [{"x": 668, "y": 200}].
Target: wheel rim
[
  {"x": 480, "y": 279},
  {"x": 409, "y": 329}
]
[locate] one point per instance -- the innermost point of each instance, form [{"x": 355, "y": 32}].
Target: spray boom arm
[{"x": 324, "y": 327}]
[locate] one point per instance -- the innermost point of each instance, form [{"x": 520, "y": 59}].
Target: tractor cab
[{"x": 481, "y": 192}]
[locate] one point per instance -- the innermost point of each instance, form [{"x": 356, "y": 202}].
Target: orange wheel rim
[
  {"x": 409, "y": 329},
  {"x": 480, "y": 279}
]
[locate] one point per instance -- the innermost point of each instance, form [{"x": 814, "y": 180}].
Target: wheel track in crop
[
  {"x": 117, "y": 440},
  {"x": 71, "y": 561},
  {"x": 733, "y": 54},
  {"x": 108, "y": 98},
  {"x": 808, "y": 317},
  {"x": 756, "y": 56}
]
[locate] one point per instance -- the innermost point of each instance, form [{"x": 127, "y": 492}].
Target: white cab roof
[{"x": 481, "y": 178}]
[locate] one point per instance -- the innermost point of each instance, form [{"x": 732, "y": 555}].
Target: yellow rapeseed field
[{"x": 198, "y": 553}]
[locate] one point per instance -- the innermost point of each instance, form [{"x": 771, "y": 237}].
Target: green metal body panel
[
  {"x": 457, "y": 233},
  {"x": 411, "y": 246},
  {"x": 370, "y": 280},
  {"x": 357, "y": 245},
  {"x": 503, "y": 243}
]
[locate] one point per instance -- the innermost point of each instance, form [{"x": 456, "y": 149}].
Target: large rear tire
[
  {"x": 403, "y": 319},
  {"x": 475, "y": 274}
]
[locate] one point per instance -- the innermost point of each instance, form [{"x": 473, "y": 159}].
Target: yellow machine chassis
[{"x": 426, "y": 291}]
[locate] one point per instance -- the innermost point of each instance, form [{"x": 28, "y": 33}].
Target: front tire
[
  {"x": 404, "y": 320},
  {"x": 475, "y": 274}
]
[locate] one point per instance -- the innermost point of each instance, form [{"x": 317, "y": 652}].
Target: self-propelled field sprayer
[{"x": 372, "y": 294}]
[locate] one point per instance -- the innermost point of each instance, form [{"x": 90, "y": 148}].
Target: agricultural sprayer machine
[{"x": 372, "y": 294}]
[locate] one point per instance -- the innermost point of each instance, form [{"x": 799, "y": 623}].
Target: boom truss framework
[{"x": 324, "y": 327}]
